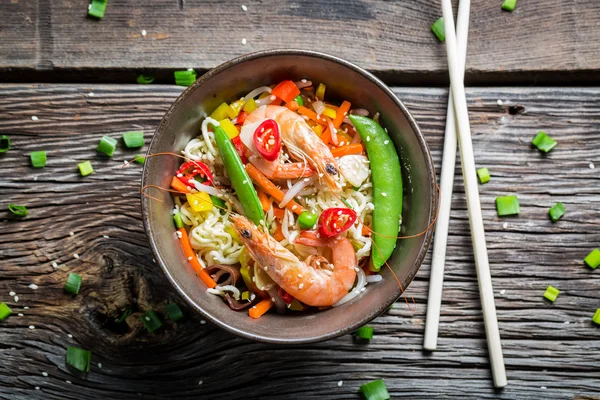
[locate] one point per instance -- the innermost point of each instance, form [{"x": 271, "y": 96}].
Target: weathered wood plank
[
  {"x": 541, "y": 349},
  {"x": 542, "y": 41}
]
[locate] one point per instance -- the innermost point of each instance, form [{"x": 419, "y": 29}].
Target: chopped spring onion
[
  {"x": 5, "y": 311},
  {"x": 97, "y": 8},
  {"x": 593, "y": 259},
  {"x": 375, "y": 390},
  {"x": 185, "y": 78},
  {"x": 509, "y": 5},
  {"x": 19, "y": 211},
  {"x": 124, "y": 316},
  {"x": 73, "y": 283},
  {"x": 246, "y": 295},
  {"x": 107, "y": 145},
  {"x": 38, "y": 159},
  {"x": 438, "y": 29},
  {"x": 173, "y": 312},
  {"x": 551, "y": 293},
  {"x": 145, "y": 79},
  {"x": 79, "y": 359},
  {"x": 85, "y": 168},
  {"x": 543, "y": 142},
  {"x": 365, "y": 332},
  {"x": 178, "y": 221},
  {"x": 140, "y": 159},
  {"x": 151, "y": 321},
  {"x": 346, "y": 203},
  {"x": 299, "y": 100},
  {"x": 484, "y": 175},
  {"x": 4, "y": 143},
  {"x": 556, "y": 211},
  {"x": 133, "y": 139},
  {"x": 507, "y": 205},
  {"x": 596, "y": 317}
]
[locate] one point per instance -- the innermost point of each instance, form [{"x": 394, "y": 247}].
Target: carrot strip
[
  {"x": 270, "y": 188},
  {"x": 265, "y": 201},
  {"x": 312, "y": 115},
  {"x": 191, "y": 256},
  {"x": 278, "y": 213},
  {"x": 279, "y": 236},
  {"x": 178, "y": 185},
  {"x": 326, "y": 136},
  {"x": 341, "y": 113},
  {"x": 355, "y": 148},
  {"x": 258, "y": 310},
  {"x": 366, "y": 231}
]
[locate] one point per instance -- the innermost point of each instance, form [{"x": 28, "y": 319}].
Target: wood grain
[
  {"x": 542, "y": 41},
  {"x": 551, "y": 350}
]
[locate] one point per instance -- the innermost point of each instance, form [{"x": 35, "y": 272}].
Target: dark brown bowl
[{"x": 345, "y": 81}]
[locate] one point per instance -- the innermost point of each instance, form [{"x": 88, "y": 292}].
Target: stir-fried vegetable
[
  {"x": 79, "y": 359},
  {"x": 593, "y": 259},
  {"x": 19, "y": 211},
  {"x": 191, "y": 169},
  {"x": 507, "y": 205},
  {"x": 307, "y": 220},
  {"x": 556, "y": 212},
  {"x": 286, "y": 91},
  {"x": 258, "y": 310},
  {"x": 193, "y": 258},
  {"x": 375, "y": 390},
  {"x": 334, "y": 221},
  {"x": 270, "y": 188},
  {"x": 73, "y": 283},
  {"x": 38, "y": 159},
  {"x": 551, "y": 293},
  {"x": 387, "y": 188},
  {"x": 268, "y": 140},
  {"x": 5, "y": 311}
]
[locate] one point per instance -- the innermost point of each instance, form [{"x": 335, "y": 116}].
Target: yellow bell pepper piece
[
  {"x": 328, "y": 112},
  {"x": 250, "y": 106},
  {"x": 229, "y": 128},
  {"x": 232, "y": 232},
  {"x": 318, "y": 129},
  {"x": 320, "y": 94},
  {"x": 199, "y": 201},
  {"x": 236, "y": 106},
  {"x": 222, "y": 112}
]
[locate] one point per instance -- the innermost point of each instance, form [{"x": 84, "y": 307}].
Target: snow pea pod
[
  {"x": 238, "y": 176},
  {"x": 387, "y": 188}
]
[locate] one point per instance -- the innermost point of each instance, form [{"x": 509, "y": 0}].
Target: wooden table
[{"x": 551, "y": 350}]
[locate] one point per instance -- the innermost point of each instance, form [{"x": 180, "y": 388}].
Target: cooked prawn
[
  {"x": 316, "y": 281},
  {"x": 301, "y": 141},
  {"x": 279, "y": 170}
]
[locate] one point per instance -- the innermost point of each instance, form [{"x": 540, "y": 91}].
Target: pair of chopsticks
[{"x": 458, "y": 117}]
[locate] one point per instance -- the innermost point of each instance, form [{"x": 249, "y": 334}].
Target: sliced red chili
[
  {"x": 239, "y": 147},
  {"x": 242, "y": 117},
  {"x": 334, "y": 221},
  {"x": 285, "y": 296},
  {"x": 268, "y": 140},
  {"x": 190, "y": 169}
]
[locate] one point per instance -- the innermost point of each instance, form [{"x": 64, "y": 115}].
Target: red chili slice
[
  {"x": 268, "y": 140},
  {"x": 285, "y": 296},
  {"x": 334, "y": 221},
  {"x": 190, "y": 169},
  {"x": 239, "y": 146}
]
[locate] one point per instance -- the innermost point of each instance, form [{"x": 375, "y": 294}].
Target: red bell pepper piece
[
  {"x": 242, "y": 117},
  {"x": 268, "y": 140},
  {"x": 334, "y": 221},
  {"x": 285, "y": 296},
  {"x": 286, "y": 91},
  {"x": 190, "y": 169},
  {"x": 239, "y": 146}
]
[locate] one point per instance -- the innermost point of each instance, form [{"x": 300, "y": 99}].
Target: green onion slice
[
  {"x": 556, "y": 212},
  {"x": 596, "y": 317},
  {"x": 438, "y": 29},
  {"x": 133, "y": 139},
  {"x": 509, "y": 5},
  {"x": 107, "y": 145},
  {"x": 185, "y": 78},
  {"x": 38, "y": 159},
  {"x": 19, "y": 211},
  {"x": 140, "y": 159},
  {"x": 484, "y": 175},
  {"x": 551, "y": 293},
  {"x": 593, "y": 259},
  {"x": 124, "y": 316},
  {"x": 543, "y": 142},
  {"x": 145, "y": 79},
  {"x": 173, "y": 312},
  {"x": 97, "y": 8},
  {"x": 4, "y": 143},
  {"x": 375, "y": 390},
  {"x": 507, "y": 205},
  {"x": 365, "y": 332},
  {"x": 85, "y": 168},
  {"x": 5, "y": 311},
  {"x": 151, "y": 321},
  {"x": 79, "y": 359},
  {"x": 178, "y": 221},
  {"x": 73, "y": 283}
]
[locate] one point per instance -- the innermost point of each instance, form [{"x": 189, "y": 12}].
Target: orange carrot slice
[
  {"x": 191, "y": 256},
  {"x": 258, "y": 310}
]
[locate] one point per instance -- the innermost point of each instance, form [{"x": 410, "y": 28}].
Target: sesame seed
[
  {"x": 76, "y": 255},
  {"x": 31, "y": 327},
  {"x": 179, "y": 234},
  {"x": 340, "y": 383},
  {"x": 502, "y": 291},
  {"x": 252, "y": 296},
  {"x": 542, "y": 387},
  {"x": 592, "y": 166},
  {"x": 303, "y": 81},
  {"x": 91, "y": 94},
  {"x": 71, "y": 234},
  {"x": 320, "y": 175},
  {"x": 266, "y": 268},
  {"x": 244, "y": 41},
  {"x": 386, "y": 142},
  {"x": 567, "y": 322},
  {"x": 245, "y": 9},
  {"x": 383, "y": 194},
  {"x": 306, "y": 179},
  {"x": 147, "y": 318},
  {"x": 16, "y": 298},
  {"x": 273, "y": 299},
  {"x": 200, "y": 382},
  {"x": 106, "y": 236},
  {"x": 505, "y": 225},
  {"x": 44, "y": 374},
  {"x": 500, "y": 102},
  {"x": 25, "y": 308},
  {"x": 11, "y": 293},
  {"x": 368, "y": 138},
  {"x": 294, "y": 207},
  {"x": 70, "y": 336},
  {"x": 272, "y": 98},
  {"x": 34, "y": 118},
  {"x": 33, "y": 286},
  {"x": 299, "y": 275},
  {"x": 144, "y": 32},
  {"x": 179, "y": 175},
  {"x": 202, "y": 322},
  {"x": 20, "y": 315},
  {"x": 301, "y": 286},
  {"x": 190, "y": 258},
  {"x": 37, "y": 388},
  {"x": 69, "y": 382},
  {"x": 99, "y": 365}
]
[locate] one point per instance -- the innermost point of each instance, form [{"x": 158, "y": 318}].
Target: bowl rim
[{"x": 430, "y": 172}]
